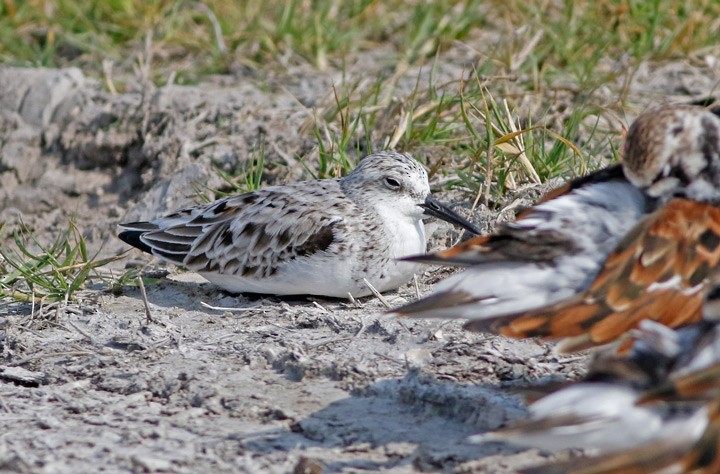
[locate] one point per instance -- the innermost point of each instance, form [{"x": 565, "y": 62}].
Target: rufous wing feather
[
  {"x": 460, "y": 255},
  {"x": 661, "y": 270}
]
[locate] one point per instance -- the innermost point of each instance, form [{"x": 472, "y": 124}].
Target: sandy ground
[{"x": 294, "y": 385}]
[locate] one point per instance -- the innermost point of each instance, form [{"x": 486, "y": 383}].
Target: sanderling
[
  {"x": 320, "y": 237},
  {"x": 660, "y": 270}
]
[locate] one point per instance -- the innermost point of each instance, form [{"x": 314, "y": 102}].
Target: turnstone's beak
[{"x": 435, "y": 208}]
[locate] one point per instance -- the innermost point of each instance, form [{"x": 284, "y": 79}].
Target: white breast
[{"x": 405, "y": 237}]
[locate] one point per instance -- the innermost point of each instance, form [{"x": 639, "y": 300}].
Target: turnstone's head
[{"x": 675, "y": 151}]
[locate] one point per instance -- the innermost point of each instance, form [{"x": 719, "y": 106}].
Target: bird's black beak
[{"x": 435, "y": 208}]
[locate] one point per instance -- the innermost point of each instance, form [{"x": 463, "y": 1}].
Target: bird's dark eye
[{"x": 392, "y": 183}]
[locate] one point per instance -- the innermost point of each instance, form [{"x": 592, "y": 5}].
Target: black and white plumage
[
  {"x": 552, "y": 252},
  {"x": 603, "y": 413},
  {"x": 659, "y": 266},
  {"x": 319, "y": 237}
]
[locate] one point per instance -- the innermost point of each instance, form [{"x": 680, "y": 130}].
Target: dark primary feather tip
[
  {"x": 423, "y": 258},
  {"x": 437, "y": 301},
  {"x": 132, "y": 237},
  {"x": 138, "y": 226}
]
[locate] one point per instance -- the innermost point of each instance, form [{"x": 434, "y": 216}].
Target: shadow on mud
[{"x": 414, "y": 421}]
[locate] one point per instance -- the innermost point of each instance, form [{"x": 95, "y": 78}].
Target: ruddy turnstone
[
  {"x": 551, "y": 252},
  {"x": 602, "y": 412},
  {"x": 316, "y": 237},
  {"x": 660, "y": 270},
  {"x": 684, "y": 435}
]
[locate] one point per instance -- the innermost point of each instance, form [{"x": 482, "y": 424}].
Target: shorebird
[
  {"x": 323, "y": 237},
  {"x": 669, "y": 425},
  {"x": 660, "y": 269},
  {"x": 602, "y": 413},
  {"x": 551, "y": 252}
]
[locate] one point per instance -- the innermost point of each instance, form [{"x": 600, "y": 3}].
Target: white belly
[{"x": 318, "y": 275}]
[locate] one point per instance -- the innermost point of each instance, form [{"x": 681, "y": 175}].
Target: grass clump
[
  {"x": 575, "y": 37},
  {"x": 35, "y": 273},
  {"x": 188, "y": 39},
  {"x": 342, "y": 134},
  {"x": 248, "y": 178},
  {"x": 466, "y": 137}
]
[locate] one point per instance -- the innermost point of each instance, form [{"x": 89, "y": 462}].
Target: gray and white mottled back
[{"x": 315, "y": 237}]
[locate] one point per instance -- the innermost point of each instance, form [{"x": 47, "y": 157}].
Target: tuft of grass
[
  {"x": 313, "y": 30},
  {"x": 187, "y": 39},
  {"x": 465, "y": 136},
  {"x": 510, "y": 154},
  {"x": 575, "y": 37},
  {"x": 433, "y": 26},
  {"x": 35, "y": 273},
  {"x": 340, "y": 144},
  {"x": 543, "y": 49},
  {"x": 249, "y": 178}
]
